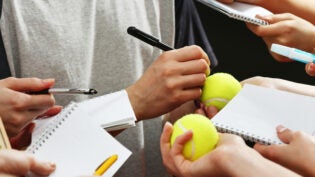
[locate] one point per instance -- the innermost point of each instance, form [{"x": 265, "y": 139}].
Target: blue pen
[{"x": 293, "y": 53}]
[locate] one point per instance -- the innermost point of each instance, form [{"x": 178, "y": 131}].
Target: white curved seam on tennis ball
[
  {"x": 217, "y": 99},
  {"x": 192, "y": 140}
]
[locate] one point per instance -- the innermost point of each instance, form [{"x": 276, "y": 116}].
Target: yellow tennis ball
[
  {"x": 205, "y": 135},
  {"x": 219, "y": 89}
]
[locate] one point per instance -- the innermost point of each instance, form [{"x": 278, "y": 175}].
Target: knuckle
[
  {"x": 17, "y": 121},
  {"x": 272, "y": 154},
  {"x": 289, "y": 27},
  {"x": 34, "y": 80},
  {"x": 289, "y": 15},
  {"x": 259, "y": 31},
  {"x": 200, "y": 79},
  {"x": 176, "y": 98},
  {"x": 198, "y": 51},
  {"x": 167, "y": 72},
  {"x": 19, "y": 101},
  {"x": 170, "y": 86},
  {"x": 203, "y": 65},
  {"x": 164, "y": 56},
  {"x": 10, "y": 80}
]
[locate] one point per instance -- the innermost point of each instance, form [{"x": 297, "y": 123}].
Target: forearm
[{"x": 298, "y": 88}]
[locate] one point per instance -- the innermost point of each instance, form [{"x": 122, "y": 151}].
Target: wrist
[{"x": 136, "y": 100}]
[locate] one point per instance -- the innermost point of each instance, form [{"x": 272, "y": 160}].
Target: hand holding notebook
[
  {"x": 256, "y": 111},
  {"x": 238, "y": 10}
]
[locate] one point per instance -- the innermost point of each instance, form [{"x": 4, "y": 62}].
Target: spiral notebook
[
  {"x": 107, "y": 110},
  {"x": 76, "y": 143},
  {"x": 256, "y": 111},
  {"x": 238, "y": 10}
]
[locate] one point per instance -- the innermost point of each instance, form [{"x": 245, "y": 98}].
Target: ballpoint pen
[
  {"x": 66, "y": 91},
  {"x": 147, "y": 38},
  {"x": 101, "y": 169}
]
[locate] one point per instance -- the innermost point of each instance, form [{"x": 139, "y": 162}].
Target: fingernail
[
  {"x": 50, "y": 165},
  {"x": 167, "y": 126},
  {"x": 311, "y": 67},
  {"x": 281, "y": 128},
  {"x": 50, "y": 80},
  {"x": 167, "y": 123},
  {"x": 212, "y": 111}
]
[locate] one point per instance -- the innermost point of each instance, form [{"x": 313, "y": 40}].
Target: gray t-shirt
[{"x": 83, "y": 43}]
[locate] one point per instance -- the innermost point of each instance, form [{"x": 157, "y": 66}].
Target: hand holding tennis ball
[
  {"x": 205, "y": 136},
  {"x": 219, "y": 89}
]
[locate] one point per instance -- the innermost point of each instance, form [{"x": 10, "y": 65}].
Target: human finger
[
  {"x": 190, "y": 53},
  {"x": 165, "y": 147},
  {"x": 29, "y": 84},
  {"x": 166, "y": 136},
  {"x": 178, "y": 146},
  {"x": 310, "y": 69},
  {"x": 42, "y": 168},
  {"x": 284, "y": 134},
  {"x": 211, "y": 111},
  {"x": 38, "y": 101},
  {"x": 193, "y": 67}
]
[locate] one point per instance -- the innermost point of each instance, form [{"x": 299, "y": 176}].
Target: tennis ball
[
  {"x": 219, "y": 89},
  {"x": 205, "y": 135}
]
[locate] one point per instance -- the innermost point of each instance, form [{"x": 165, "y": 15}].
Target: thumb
[
  {"x": 180, "y": 142},
  {"x": 284, "y": 134},
  {"x": 29, "y": 84},
  {"x": 42, "y": 168},
  {"x": 211, "y": 111}
]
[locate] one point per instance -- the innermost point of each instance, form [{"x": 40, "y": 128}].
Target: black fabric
[
  {"x": 242, "y": 53},
  {"x": 189, "y": 29},
  {"x": 4, "y": 65}
]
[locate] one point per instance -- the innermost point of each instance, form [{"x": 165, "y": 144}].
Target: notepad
[
  {"x": 238, "y": 10},
  {"x": 111, "y": 111},
  {"x": 76, "y": 143},
  {"x": 256, "y": 111}
]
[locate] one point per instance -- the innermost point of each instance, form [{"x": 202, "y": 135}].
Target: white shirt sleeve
[{"x": 111, "y": 111}]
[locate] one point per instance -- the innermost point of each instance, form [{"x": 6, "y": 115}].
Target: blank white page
[
  {"x": 256, "y": 111},
  {"x": 77, "y": 145}
]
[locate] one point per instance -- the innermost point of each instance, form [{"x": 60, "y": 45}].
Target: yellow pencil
[{"x": 101, "y": 169}]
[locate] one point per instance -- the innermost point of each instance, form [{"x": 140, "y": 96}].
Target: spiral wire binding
[
  {"x": 51, "y": 128},
  {"x": 246, "y": 135},
  {"x": 249, "y": 19}
]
